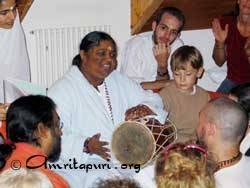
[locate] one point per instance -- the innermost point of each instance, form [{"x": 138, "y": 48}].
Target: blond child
[{"x": 182, "y": 98}]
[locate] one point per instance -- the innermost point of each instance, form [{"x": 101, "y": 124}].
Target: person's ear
[
  {"x": 41, "y": 131},
  {"x": 154, "y": 24},
  {"x": 211, "y": 129},
  {"x": 83, "y": 55},
  {"x": 200, "y": 72}
]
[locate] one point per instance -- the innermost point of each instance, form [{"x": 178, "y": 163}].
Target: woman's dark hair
[
  {"x": 23, "y": 117},
  {"x": 242, "y": 92},
  {"x": 91, "y": 40}
]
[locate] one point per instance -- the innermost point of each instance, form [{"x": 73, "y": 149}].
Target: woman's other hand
[
  {"x": 138, "y": 112},
  {"x": 98, "y": 147}
]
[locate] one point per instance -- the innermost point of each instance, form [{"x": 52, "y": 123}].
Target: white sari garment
[
  {"x": 84, "y": 113},
  {"x": 14, "y": 61}
]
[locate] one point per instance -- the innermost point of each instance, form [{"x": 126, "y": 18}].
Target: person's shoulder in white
[
  {"x": 234, "y": 176},
  {"x": 139, "y": 41},
  {"x": 245, "y": 143}
]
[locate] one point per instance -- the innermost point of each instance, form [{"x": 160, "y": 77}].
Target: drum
[{"x": 140, "y": 141}]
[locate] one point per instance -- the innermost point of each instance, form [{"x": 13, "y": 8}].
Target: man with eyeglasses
[
  {"x": 145, "y": 56},
  {"x": 33, "y": 137},
  {"x": 14, "y": 61}
]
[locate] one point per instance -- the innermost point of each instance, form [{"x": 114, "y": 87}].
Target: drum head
[{"x": 133, "y": 143}]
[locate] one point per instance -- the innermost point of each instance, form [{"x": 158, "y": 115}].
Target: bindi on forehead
[
  {"x": 106, "y": 46},
  {"x": 110, "y": 48}
]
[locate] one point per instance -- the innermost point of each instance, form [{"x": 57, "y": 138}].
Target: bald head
[{"x": 229, "y": 117}]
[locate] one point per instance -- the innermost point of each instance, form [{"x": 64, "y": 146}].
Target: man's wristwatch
[{"x": 161, "y": 73}]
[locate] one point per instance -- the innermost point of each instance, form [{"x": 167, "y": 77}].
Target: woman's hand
[
  {"x": 98, "y": 147},
  {"x": 138, "y": 111},
  {"x": 219, "y": 34}
]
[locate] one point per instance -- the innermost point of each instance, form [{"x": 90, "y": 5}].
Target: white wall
[
  {"x": 66, "y": 13},
  {"x": 45, "y": 14}
]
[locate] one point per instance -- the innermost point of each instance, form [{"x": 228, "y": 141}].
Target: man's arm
[
  {"x": 219, "y": 53},
  {"x": 162, "y": 53},
  {"x": 220, "y": 35},
  {"x": 155, "y": 85}
]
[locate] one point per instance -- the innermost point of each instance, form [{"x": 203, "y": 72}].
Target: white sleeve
[
  {"x": 131, "y": 61},
  {"x": 140, "y": 96},
  {"x": 72, "y": 142},
  {"x": 245, "y": 143}
]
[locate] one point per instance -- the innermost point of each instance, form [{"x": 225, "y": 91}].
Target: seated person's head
[
  {"x": 117, "y": 183},
  {"x": 33, "y": 120},
  {"x": 185, "y": 166},
  {"x": 97, "y": 58},
  {"x": 24, "y": 178},
  {"x": 169, "y": 19},
  {"x": 222, "y": 122},
  {"x": 8, "y": 11},
  {"x": 241, "y": 94},
  {"x": 187, "y": 66}
]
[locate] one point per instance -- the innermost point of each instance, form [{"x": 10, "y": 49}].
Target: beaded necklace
[
  {"x": 108, "y": 102},
  {"x": 226, "y": 163}
]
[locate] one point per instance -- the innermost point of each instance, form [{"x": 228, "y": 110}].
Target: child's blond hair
[{"x": 184, "y": 55}]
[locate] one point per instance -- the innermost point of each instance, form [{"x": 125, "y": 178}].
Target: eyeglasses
[
  {"x": 59, "y": 125},
  {"x": 11, "y": 9},
  {"x": 194, "y": 147}
]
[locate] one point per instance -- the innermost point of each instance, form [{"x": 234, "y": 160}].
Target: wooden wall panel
[
  {"x": 142, "y": 11},
  {"x": 199, "y": 13}
]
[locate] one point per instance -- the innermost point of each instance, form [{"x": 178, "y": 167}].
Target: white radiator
[{"x": 52, "y": 51}]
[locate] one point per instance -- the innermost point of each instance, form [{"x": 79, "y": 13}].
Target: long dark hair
[
  {"x": 91, "y": 40},
  {"x": 23, "y": 117}
]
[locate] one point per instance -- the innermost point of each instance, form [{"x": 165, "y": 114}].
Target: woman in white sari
[
  {"x": 92, "y": 99},
  {"x": 14, "y": 61}
]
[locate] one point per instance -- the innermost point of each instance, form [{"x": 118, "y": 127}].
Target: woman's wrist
[{"x": 219, "y": 45}]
